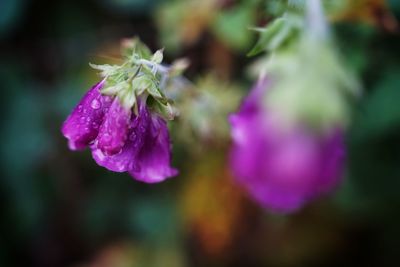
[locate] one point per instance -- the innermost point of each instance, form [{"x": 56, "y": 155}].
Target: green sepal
[
  {"x": 165, "y": 109},
  {"x": 157, "y": 56},
  {"x": 141, "y": 75},
  {"x": 277, "y": 34},
  {"x": 155, "y": 92},
  {"x": 146, "y": 83},
  {"x": 148, "y": 71},
  {"x": 113, "y": 90},
  {"x": 134, "y": 47},
  {"x": 140, "y": 84},
  {"x": 106, "y": 69},
  {"x": 266, "y": 35},
  {"x": 127, "y": 97}
]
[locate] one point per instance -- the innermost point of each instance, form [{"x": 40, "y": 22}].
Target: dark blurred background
[{"x": 60, "y": 209}]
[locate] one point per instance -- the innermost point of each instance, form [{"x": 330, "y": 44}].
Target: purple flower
[
  {"x": 282, "y": 166},
  {"x": 120, "y": 140}
]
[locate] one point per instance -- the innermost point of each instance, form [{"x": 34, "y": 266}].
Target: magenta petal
[
  {"x": 82, "y": 125},
  {"x": 333, "y": 154},
  {"x": 121, "y": 162},
  {"x": 282, "y": 168},
  {"x": 146, "y": 154},
  {"x": 155, "y": 156},
  {"x": 114, "y": 129},
  {"x": 126, "y": 159}
]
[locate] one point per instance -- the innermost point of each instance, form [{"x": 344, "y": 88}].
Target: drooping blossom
[
  {"x": 120, "y": 140},
  {"x": 282, "y": 166}
]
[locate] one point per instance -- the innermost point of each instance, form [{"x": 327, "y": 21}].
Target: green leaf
[
  {"x": 380, "y": 112},
  {"x": 280, "y": 37},
  {"x": 267, "y": 36},
  {"x": 232, "y": 27},
  {"x": 297, "y": 4}
]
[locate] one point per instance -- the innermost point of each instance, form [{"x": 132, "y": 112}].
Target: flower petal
[
  {"x": 333, "y": 155},
  {"x": 126, "y": 159},
  {"x": 154, "y": 158},
  {"x": 82, "y": 125},
  {"x": 114, "y": 129},
  {"x": 146, "y": 154}
]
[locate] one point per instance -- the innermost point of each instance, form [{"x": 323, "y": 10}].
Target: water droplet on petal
[
  {"x": 95, "y": 104},
  {"x": 95, "y": 125},
  {"x": 134, "y": 166},
  {"x": 132, "y": 137},
  {"x": 82, "y": 120},
  {"x": 106, "y": 137}
]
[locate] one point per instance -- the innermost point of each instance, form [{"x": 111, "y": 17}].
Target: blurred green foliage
[{"x": 60, "y": 209}]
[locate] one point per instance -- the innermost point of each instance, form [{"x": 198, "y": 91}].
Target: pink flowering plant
[
  {"x": 123, "y": 118},
  {"x": 288, "y": 135}
]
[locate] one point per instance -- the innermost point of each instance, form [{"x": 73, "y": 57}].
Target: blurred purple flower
[
  {"x": 120, "y": 140},
  {"x": 281, "y": 167}
]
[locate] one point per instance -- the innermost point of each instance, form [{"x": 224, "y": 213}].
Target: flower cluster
[
  {"x": 122, "y": 119},
  {"x": 288, "y": 135}
]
